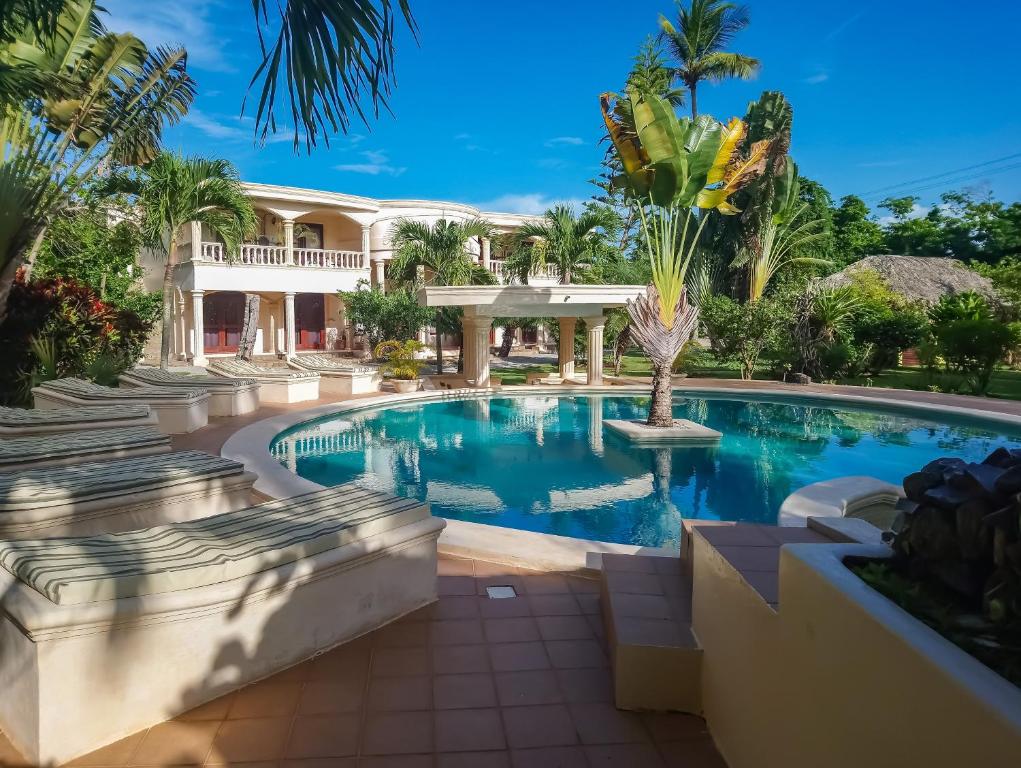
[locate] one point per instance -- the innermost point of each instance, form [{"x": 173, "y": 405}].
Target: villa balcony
[
  {"x": 544, "y": 276},
  {"x": 276, "y": 255}
]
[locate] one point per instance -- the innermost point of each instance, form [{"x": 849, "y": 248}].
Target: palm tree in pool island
[
  {"x": 437, "y": 254},
  {"x": 677, "y": 172},
  {"x": 172, "y": 191},
  {"x": 698, "y": 40}
]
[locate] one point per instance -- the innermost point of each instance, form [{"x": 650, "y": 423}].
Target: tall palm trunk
[
  {"x": 661, "y": 413},
  {"x": 693, "y": 89},
  {"x": 620, "y": 347},
  {"x": 439, "y": 352},
  {"x": 168, "y": 305}
]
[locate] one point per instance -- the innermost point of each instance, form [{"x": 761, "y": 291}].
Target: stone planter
[{"x": 406, "y": 385}]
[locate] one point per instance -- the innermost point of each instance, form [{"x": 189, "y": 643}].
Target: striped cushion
[
  {"x": 38, "y": 488},
  {"x": 158, "y": 377},
  {"x": 204, "y": 552},
  {"x": 87, "y": 390},
  {"x": 327, "y": 364},
  {"x": 24, "y": 417},
  {"x": 236, "y": 368},
  {"x": 19, "y": 451}
]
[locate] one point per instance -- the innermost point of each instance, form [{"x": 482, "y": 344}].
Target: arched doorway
[
  {"x": 222, "y": 316},
  {"x": 309, "y": 321}
]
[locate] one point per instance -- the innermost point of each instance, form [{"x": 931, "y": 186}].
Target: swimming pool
[{"x": 545, "y": 462}]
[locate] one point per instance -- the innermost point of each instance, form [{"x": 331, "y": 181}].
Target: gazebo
[{"x": 567, "y": 303}]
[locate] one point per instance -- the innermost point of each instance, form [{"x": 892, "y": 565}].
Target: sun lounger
[
  {"x": 120, "y": 494},
  {"x": 179, "y": 410},
  {"x": 31, "y": 452},
  {"x": 339, "y": 376},
  {"x": 107, "y": 635},
  {"x": 227, "y": 397},
  {"x": 20, "y": 422},
  {"x": 277, "y": 385}
]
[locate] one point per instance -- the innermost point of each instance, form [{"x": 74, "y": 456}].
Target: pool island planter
[
  {"x": 683, "y": 432},
  {"x": 838, "y": 675}
]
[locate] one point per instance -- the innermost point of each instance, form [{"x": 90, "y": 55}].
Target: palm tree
[
  {"x": 703, "y": 30},
  {"x": 437, "y": 255},
  {"x": 561, "y": 240},
  {"x": 172, "y": 191},
  {"x": 76, "y": 98}
]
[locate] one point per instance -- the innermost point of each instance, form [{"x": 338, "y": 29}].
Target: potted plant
[{"x": 400, "y": 364}]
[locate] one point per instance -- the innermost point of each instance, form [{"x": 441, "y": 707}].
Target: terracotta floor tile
[
  {"x": 398, "y": 662},
  {"x": 504, "y": 608},
  {"x": 628, "y": 564},
  {"x": 696, "y": 753},
  {"x": 255, "y": 739},
  {"x": 469, "y": 730},
  {"x": 550, "y": 757},
  {"x": 456, "y": 607},
  {"x": 396, "y": 694},
  {"x": 299, "y": 673},
  {"x": 176, "y": 743},
  {"x": 116, "y": 754},
  {"x": 544, "y": 726},
  {"x": 323, "y": 736},
  {"x": 455, "y": 585},
  {"x": 737, "y": 535},
  {"x": 256, "y": 764},
  {"x": 216, "y": 709},
  {"x": 626, "y": 605},
  {"x": 766, "y": 583},
  {"x": 347, "y": 663},
  {"x": 455, "y": 566},
  {"x": 402, "y": 635},
  {"x": 266, "y": 699},
  {"x": 528, "y": 688},
  {"x": 575, "y": 654},
  {"x": 322, "y": 762},
  {"x": 668, "y": 727},
  {"x": 500, "y": 759},
  {"x": 545, "y": 584},
  {"x": 511, "y": 630},
  {"x": 663, "y": 633},
  {"x": 554, "y": 605},
  {"x": 464, "y": 691},
  {"x": 635, "y": 583},
  {"x": 397, "y": 733},
  {"x": 595, "y": 624},
  {"x": 9, "y": 756},
  {"x": 752, "y": 558},
  {"x": 583, "y": 586},
  {"x": 323, "y": 697},
  {"x": 514, "y": 657},
  {"x": 605, "y": 724},
  {"x": 456, "y": 632},
  {"x": 499, "y": 581},
  {"x": 585, "y": 686},
  {"x": 396, "y": 761},
  {"x": 485, "y": 569},
  {"x": 631, "y": 755},
  {"x": 668, "y": 565},
  {"x": 460, "y": 659},
  {"x": 564, "y": 628},
  {"x": 589, "y": 603}
]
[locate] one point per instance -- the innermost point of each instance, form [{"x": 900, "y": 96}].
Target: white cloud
[
  {"x": 553, "y": 163},
  {"x": 817, "y": 78},
  {"x": 216, "y": 128},
  {"x": 462, "y": 136},
  {"x": 184, "y": 22},
  {"x": 557, "y": 141},
  {"x": 528, "y": 203},
  {"x": 917, "y": 212},
  {"x": 376, "y": 163}
]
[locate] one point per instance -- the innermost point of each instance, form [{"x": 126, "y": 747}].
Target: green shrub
[
  {"x": 973, "y": 347},
  {"x": 742, "y": 333},
  {"x": 961, "y": 306},
  {"x": 393, "y": 315},
  {"x": 399, "y": 356}
]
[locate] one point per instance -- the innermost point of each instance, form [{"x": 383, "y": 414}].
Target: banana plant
[{"x": 674, "y": 167}]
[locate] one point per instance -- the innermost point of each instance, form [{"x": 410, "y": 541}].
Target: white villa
[{"x": 310, "y": 245}]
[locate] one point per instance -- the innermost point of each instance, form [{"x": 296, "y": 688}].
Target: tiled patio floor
[{"x": 468, "y": 682}]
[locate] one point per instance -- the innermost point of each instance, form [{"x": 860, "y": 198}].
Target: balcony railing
[
  {"x": 276, "y": 255},
  {"x": 548, "y": 272}
]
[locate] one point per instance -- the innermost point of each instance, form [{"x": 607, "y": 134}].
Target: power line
[
  {"x": 881, "y": 190},
  {"x": 949, "y": 181}
]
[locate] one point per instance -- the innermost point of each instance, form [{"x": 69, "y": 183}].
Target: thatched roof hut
[{"x": 919, "y": 278}]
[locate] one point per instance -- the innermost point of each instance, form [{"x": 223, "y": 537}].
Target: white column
[
  {"x": 196, "y": 241},
  {"x": 467, "y": 344},
  {"x": 289, "y": 324},
  {"x": 486, "y": 254},
  {"x": 379, "y": 274},
  {"x": 181, "y": 342},
  {"x": 366, "y": 244},
  {"x": 289, "y": 240},
  {"x": 476, "y": 339},
  {"x": 566, "y": 352},
  {"x": 595, "y": 424},
  {"x": 198, "y": 344},
  {"x": 595, "y": 348}
]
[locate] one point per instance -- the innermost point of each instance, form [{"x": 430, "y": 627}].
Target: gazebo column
[
  {"x": 476, "y": 350},
  {"x": 595, "y": 327},
  {"x": 566, "y": 351},
  {"x": 289, "y": 324},
  {"x": 198, "y": 355}
]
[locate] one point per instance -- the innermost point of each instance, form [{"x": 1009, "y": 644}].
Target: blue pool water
[{"x": 546, "y": 463}]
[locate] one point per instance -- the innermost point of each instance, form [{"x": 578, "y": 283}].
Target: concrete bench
[
  {"x": 227, "y": 397},
  {"x": 107, "y": 635},
  {"x": 179, "y": 410},
  {"x": 120, "y": 494},
  {"x": 856, "y": 496},
  {"x": 21, "y": 422},
  {"x": 32, "y": 452},
  {"x": 277, "y": 385},
  {"x": 338, "y": 376}
]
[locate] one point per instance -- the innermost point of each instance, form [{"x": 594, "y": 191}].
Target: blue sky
[{"x": 497, "y": 104}]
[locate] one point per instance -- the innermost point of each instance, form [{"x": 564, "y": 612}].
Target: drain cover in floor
[{"x": 500, "y": 593}]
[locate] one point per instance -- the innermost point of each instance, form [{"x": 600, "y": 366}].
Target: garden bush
[
  {"x": 973, "y": 347},
  {"x": 78, "y": 330},
  {"x": 394, "y": 315},
  {"x": 743, "y": 333}
]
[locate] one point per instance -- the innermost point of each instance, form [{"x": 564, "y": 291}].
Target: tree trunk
[
  {"x": 168, "y": 304},
  {"x": 507, "y": 343},
  {"x": 460, "y": 354},
  {"x": 250, "y": 327},
  {"x": 694, "y": 100},
  {"x": 620, "y": 347},
  {"x": 661, "y": 413},
  {"x": 439, "y": 352}
]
